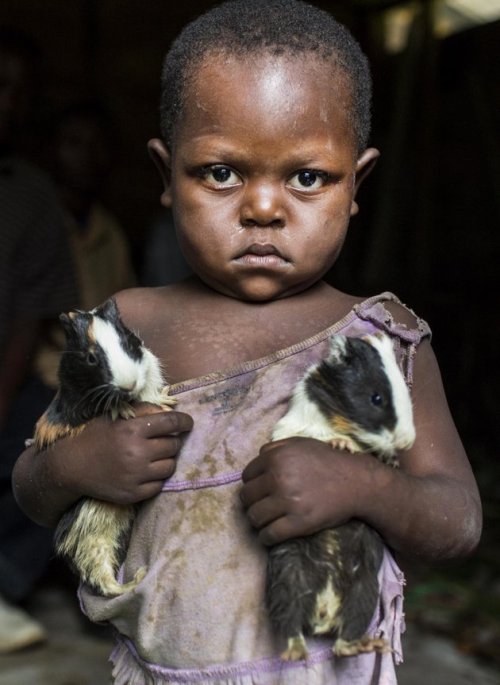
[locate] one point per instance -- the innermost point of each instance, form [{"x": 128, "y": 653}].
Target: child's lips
[{"x": 262, "y": 254}]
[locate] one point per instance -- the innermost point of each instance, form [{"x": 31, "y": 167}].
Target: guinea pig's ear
[
  {"x": 338, "y": 347},
  {"x": 363, "y": 167},
  {"x": 67, "y": 324},
  {"x": 162, "y": 158},
  {"x": 108, "y": 310},
  {"x": 373, "y": 337}
]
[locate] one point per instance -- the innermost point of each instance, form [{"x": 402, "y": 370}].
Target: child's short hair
[{"x": 242, "y": 27}]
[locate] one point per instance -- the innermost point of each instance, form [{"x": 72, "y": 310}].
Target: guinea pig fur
[
  {"x": 356, "y": 397},
  {"x": 104, "y": 368},
  {"x": 326, "y": 583}
]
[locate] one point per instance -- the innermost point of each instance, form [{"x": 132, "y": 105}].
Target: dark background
[{"x": 427, "y": 229}]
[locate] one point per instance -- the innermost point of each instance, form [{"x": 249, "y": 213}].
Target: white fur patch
[
  {"x": 328, "y": 603},
  {"x": 303, "y": 419},
  {"x": 403, "y": 435},
  {"x": 127, "y": 373},
  {"x": 337, "y": 347},
  {"x": 154, "y": 384}
]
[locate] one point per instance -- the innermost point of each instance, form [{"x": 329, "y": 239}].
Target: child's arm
[
  {"x": 118, "y": 461},
  {"x": 430, "y": 507}
]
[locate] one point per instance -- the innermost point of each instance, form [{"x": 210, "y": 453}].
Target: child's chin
[
  {"x": 256, "y": 288},
  {"x": 268, "y": 294}
]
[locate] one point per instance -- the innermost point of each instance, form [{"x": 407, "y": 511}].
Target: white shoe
[{"x": 18, "y": 629}]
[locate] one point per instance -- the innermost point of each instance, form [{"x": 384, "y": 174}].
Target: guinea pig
[
  {"x": 103, "y": 369},
  {"x": 326, "y": 583}
]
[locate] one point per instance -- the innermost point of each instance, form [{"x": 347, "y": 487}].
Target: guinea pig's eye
[
  {"x": 91, "y": 359},
  {"x": 376, "y": 399}
]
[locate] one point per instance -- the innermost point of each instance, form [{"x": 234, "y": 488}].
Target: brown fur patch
[
  {"x": 90, "y": 333},
  {"x": 341, "y": 425},
  {"x": 47, "y": 433}
]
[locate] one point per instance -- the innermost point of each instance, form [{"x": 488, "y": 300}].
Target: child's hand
[
  {"x": 126, "y": 461},
  {"x": 298, "y": 486},
  {"x": 123, "y": 461}
]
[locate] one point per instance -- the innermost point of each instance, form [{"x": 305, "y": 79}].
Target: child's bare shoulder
[
  {"x": 402, "y": 314},
  {"x": 143, "y": 308},
  {"x": 390, "y": 313},
  {"x": 396, "y": 313}
]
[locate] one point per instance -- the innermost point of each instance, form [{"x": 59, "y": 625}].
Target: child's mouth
[{"x": 260, "y": 254}]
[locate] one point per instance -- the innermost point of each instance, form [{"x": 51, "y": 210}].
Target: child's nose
[{"x": 262, "y": 205}]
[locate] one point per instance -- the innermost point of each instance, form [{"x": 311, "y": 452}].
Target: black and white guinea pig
[
  {"x": 326, "y": 583},
  {"x": 104, "y": 368},
  {"x": 356, "y": 398}
]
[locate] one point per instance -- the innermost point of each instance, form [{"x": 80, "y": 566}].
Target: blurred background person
[
  {"x": 36, "y": 284},
  {"x": 80, "y": 159},
  {"x": 82, "y": 144}
]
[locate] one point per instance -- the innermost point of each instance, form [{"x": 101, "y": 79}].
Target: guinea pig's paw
[
  {"x": 361, "y": 646},
  {"x": 390, "y": 459},
  {"x": 139, "y": 574},
  {"x": 165, "y": 400},
  {"x": 344, "y": 444},
  {"x": 113, "y": 589},
  {"x": 126, "y": 411},
  {"x": 296, "y": 649}
]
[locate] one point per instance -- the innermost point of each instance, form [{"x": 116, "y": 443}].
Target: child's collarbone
[{"x": 214, "y": 343}]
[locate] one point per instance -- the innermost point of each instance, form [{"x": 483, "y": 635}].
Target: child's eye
[
  {"x": 309, "y": 179},
  {"x": 219, "y": 176}
]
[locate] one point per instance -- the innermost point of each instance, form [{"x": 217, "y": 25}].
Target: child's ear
[
  {"x": 363, "y": 167},
  {"x": 160, "y": 155}
]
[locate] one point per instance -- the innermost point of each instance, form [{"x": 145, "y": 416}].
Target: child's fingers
[
  {"x": 160, "y": 470},
  {"x": 146, "y": 409},
  {"x": 260, "y": 464},
  {"x": 254, "y": 490},
  {"x": 253, "y": 469},
  {"x": 277, "y": 531},
  {"x": 164, "y": 447},
  {"x": 164, "y": 423},
  {"x": 265, "y": 511}
]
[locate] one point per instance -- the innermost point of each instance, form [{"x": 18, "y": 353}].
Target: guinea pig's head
[
  {"x": 102, "y": 351},
  {"x": 360, "y": 387}
]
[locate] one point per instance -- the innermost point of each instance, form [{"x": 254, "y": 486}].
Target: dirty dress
[{"x": 198, "y": 616}]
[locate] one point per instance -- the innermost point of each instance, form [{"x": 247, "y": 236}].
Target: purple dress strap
[{"x": 406, "y": 339}]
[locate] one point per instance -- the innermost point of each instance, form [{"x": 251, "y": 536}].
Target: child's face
[{"x": 262, "y": 175}]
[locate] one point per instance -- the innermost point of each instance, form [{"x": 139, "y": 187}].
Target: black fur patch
[
  {"x": 85, "y": 380},
  {"x": 130, "y": 342},
  {"x": 354, "y": 387},
  {"x": 299, "y": 569}
]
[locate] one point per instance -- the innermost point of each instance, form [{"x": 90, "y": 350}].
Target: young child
[{"x": 265, "y": 119}]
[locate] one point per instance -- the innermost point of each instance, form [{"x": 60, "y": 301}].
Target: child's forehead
[
  {"x": 276, "y": 83},
  {"x": 255, "y": 100},
  {"x": 218, "y": 66}
]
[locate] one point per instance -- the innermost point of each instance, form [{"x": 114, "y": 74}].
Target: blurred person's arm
[
  {"x": 15, "y": 363},
  {"x": 38, "y": 279}
]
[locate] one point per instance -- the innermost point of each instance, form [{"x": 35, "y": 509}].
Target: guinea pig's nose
[{"x": 129, "y": 388}]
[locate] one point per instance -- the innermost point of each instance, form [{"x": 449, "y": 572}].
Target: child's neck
[
  {"x": 223, "y": 332},
  {"x": 316, "y": 292}
]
